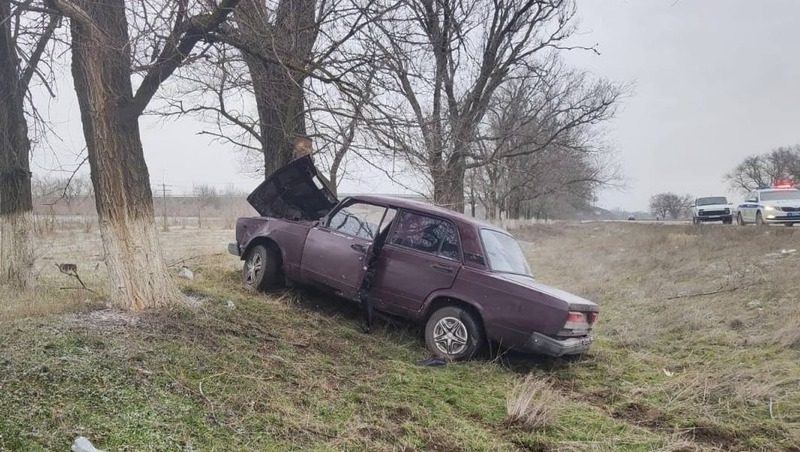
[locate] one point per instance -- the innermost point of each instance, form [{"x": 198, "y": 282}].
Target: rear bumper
[
  {"x": 546, "y": 345},
  {"x": 233, "y": 248}
]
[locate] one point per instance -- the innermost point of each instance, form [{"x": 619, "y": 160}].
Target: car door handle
[
  {"x": 358, "y": 247},
  {"x": 442, "y": 268}
]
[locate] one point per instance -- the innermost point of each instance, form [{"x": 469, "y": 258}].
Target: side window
[
  {"x": 358, "y": 219},
  {"x": 427, "y": 234}
]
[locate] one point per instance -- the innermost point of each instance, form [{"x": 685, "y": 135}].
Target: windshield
[
  {"x": 780, "y": 195},
  {"x": 711, "y": 200},
  {"x": 504, "y": 253}
]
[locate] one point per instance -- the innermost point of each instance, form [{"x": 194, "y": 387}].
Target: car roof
[
  {"x": 410, "y": 204},
  {"x": 767, "y": 190}
]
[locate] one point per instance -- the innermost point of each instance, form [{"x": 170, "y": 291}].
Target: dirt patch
[
  {"x": 717, "y": 436},
  {"x": 441, "y": 442},
  {"x": 642, "y": 415},
  {"x": 401, "y": 414},
  {"x": 105, "y": 318}
]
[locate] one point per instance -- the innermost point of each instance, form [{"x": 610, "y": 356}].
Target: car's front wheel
[
  {"x": 454, "y": 333},
  {"x": 739, "y": 219},
  {"x": 261, "y": 268},
  {"x": 759, "y": 219}
]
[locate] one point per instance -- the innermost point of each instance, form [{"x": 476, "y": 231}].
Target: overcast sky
[{"x": 713, "y": 81}]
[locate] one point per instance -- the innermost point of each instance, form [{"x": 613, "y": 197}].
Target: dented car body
[{"x": 465, "y": 280}]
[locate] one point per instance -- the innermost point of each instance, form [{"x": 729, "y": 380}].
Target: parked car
[
  {"x": 466, "y": 281},
  {"x": 777, "y": 205},
  {"x": 712, "y": 208}
]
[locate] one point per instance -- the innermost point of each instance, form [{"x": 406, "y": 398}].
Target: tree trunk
[
  {"x": 16, "y": 204},
  {"x": 278, "y": 84},
  {"x": 101, "y": 71},
  {"x": 448, "y": 190},
  {"x": 448, "y": 184}
]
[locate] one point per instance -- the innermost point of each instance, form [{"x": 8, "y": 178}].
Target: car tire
[
  {"x": 695, "y": 220},
  {"x": 454, "y": 333},
  {"x": 727, "y": 221},
  {"x": 789, "y": 225},
  {"x": 739, "y": 219},
  {"x": 261, "y": 269},
  {"x": 760, "y": 219}
]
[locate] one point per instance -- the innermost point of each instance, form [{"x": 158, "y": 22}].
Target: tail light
[{"x": 576, "y": 321}]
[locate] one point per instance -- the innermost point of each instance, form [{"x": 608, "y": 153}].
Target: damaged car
[{"x": 465, "y": 281}]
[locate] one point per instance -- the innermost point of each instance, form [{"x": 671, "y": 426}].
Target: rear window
[{"x": 504, "y": 253}]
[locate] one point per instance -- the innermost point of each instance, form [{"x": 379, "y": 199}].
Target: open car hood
[{"x": 295, "y": 192}]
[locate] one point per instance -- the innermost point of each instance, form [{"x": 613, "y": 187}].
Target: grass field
[{"x": 698, "y": 349}]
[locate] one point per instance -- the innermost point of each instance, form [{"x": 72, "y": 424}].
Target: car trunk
[{"x": 295, "y": 192}]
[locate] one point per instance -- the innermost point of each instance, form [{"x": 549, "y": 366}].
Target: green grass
[{"x": 292, "y": 371}]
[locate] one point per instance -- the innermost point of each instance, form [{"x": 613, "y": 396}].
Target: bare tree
[
  {"x": 781, "y": 164},
  {"x": 23, "y": 41},
  {"x": 255, "y": 85},
  {"x": 664, "y": 204},
  {"x": 103, "y": 62},
  {"x": 539, "y": 140},
  {"x": 442, "y": 63}
]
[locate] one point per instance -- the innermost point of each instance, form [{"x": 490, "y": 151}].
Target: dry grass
[
  {"x": 58, "y": 293},
  {"x": 533, "y": 403},
  {"x": 696, "y": 350},
  {"x": 698, "y": 326}
]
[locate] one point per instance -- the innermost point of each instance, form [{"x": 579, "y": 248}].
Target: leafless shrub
[{"x": 533, "y": 403}]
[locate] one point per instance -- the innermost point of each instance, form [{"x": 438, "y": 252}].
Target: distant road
[{"x": 664, "y": 222}]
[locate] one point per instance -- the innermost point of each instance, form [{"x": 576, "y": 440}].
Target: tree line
[{"x": 473, "y": 97}]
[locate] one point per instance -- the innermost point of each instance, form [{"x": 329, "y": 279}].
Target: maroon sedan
[{"x": 467, "y": 281}]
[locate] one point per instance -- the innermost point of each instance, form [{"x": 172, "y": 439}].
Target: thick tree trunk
[
  {"x": 16, "y": 225},
  {"x": 101, "y": 72},
  {"x": 278, "y": 79},
  {"x": 448, "y": 184},
  {"x": 448, "y": 190}
]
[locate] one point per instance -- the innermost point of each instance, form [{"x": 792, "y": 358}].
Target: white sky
[{"x": 714, "y": 81}]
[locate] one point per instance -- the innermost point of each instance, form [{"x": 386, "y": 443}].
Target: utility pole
[{"x": 164, "y": 205}]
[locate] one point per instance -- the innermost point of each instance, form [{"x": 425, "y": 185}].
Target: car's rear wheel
[
  {"x": 261, "y": 270},
  {"x": 759, "y": 219},
  {"x": 739, "y": 219},
  {"x": 454, "y": 333}
]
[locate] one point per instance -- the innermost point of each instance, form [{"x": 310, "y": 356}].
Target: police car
[{"x": 779, "y": 205}]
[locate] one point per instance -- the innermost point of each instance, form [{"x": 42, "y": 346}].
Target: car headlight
[{"x": 772, "y": 208}]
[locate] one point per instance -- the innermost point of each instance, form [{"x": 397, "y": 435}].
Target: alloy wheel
[
  {"x": 450, "y": 335},
  {"x": 254, "y": 268}
]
